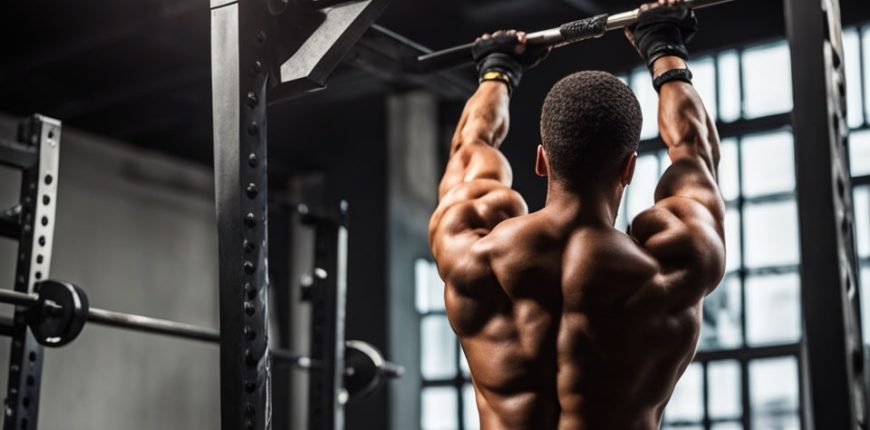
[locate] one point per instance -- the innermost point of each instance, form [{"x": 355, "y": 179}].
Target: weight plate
[{"x": 60, "y": 315}]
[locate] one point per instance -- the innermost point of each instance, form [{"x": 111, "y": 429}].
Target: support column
[
  {"x": 834, "y": 395},
  {"x": 36, "y": 237},
  {"x": 239, "y": 76},
  {"x": 412, "y": 185}
]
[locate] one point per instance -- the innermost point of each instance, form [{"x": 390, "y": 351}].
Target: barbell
[
  {"x": 566, "y": 34},
  {"x": 57, "y": 311}
]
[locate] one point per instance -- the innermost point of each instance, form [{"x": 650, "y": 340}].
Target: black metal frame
[
  {"x": 263, "y": 52},
  {"x": 834, "y": 392},
  {"x": 327, "y": 293},
  {"x": 34, "y": 220}
]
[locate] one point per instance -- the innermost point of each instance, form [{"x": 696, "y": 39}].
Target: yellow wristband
[{"x": 495, "y": 75}]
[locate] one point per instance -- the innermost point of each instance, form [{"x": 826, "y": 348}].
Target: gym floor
[{"x": 136, "y": 227}]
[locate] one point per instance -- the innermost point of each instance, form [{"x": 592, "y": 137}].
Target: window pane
[
  {"x": 729, "y": 86},
  {"x": 768, "y": 163},
  {"x": 641, "y": 192},
  {"x": 727, "y": 426},
  {"x": 469, "y": 414},
  {"x": 724, "y": 389},
  {"x": 859, "y": 152},
  {"x": 861, "y": 202},
  {"x": 439, "y": 409},
  {"x": 641, "y": 84},
  {"x": 866, "y": 45},
  {"x": 729, "y": 183},
  {"x": 767, "y": 80},
  {"x": 664, "y": 162},
  {"x": 852, "y": 59},
  {"x": 621, "y": 223},
  {"x": 771, "y": 234},
  {"x": 732, "y": 239},
  {"x": 865, "y": 302},
  {"x": 429, "y": 287},
  {"x": 773, "y": 390},
  {"x": 686, "y": 402},
  {"x": 704, "y": 81},
  {"x": 773, "y": 309},
  {"x": 773, "y": 422},
  {"x": 438, "y": 349},
  {"x": 722, "y": 312}
]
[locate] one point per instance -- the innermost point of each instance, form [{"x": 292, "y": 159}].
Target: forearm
[
  {"x": 485, "y": 118},
  {"x": 684, "y": 123}
]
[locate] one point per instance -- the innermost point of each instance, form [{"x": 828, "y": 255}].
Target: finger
[{"x": 522, "y": 37}]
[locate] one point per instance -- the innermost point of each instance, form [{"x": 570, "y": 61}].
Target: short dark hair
[{"x": 590, "y": 124}]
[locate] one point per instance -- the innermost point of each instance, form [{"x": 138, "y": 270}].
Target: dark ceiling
[{"x": 139, "y": 70}]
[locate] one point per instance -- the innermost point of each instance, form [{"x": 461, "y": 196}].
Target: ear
[
  {"x": 628, "y": 169},
  {"x": 542, "y": 169}
]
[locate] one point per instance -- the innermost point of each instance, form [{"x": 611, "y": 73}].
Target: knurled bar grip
[{"x": 573, "y": 32}]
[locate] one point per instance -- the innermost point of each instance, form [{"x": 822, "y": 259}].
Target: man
[{"x": 566, "y": 322}]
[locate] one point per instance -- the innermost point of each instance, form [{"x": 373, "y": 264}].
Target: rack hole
[
  {"x": 32, "y": 356},
  {"x": 48, "y": 179}
]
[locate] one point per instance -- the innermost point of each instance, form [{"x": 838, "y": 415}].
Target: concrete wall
[{"x": 137, "y": 231}]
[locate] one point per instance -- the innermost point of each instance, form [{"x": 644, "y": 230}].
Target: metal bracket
[{"x": 317, "y": 57}]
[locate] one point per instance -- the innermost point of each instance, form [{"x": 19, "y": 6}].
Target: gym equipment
[
  {"x": 57, "y": 312},
  {"x": 566, "y": 34}
]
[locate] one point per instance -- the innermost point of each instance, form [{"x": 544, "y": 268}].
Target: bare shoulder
[{"x": 682, "y": 233}]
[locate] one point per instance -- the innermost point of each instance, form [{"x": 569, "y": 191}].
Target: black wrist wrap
[
  {"x": 503, "y": 63},
  {"x": 664, "y": 31},
  {"x": 684, "y": 75}
]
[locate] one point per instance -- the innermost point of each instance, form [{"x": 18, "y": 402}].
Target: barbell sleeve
[{"x": 566, "y": 34}]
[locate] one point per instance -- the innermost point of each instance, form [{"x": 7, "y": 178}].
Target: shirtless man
[{"x": 568, "y": 323}]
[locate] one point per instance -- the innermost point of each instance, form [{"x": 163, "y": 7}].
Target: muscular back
[
  {"x": 559, "y": 333},
  {"x": 567, "y": 323}
]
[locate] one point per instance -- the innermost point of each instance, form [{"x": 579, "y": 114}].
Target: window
[
  {"x": 447, "y": 399},
  {"x": 752, "y": 322},
  {"x": 746, "y": 373},
  {"x": 856, "y": 44}
]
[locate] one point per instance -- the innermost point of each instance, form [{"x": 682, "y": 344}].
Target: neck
[{"x": 587, "y": 206}]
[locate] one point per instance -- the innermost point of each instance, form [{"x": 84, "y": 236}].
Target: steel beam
[
  {"x": 15, "y": 154},
  {"x": 240, "y": 67},
  {"x": 834, "y": 392},
  {"x": 327, "y": 294},
  {"x": 316, "y": 57},
  {"x": 38, "y": 202}
]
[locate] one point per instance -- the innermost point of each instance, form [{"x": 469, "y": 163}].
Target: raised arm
[
  {"x": 684, "y": 231},
  {"x": 475, "y": 193}
]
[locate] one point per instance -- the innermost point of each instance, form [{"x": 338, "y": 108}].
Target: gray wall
[
  {"x": 412, "y": 195},
  {"x": 137, "y": 231}
]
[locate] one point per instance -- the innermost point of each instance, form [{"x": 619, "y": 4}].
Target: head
[{"x": 590, "y": 129}]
